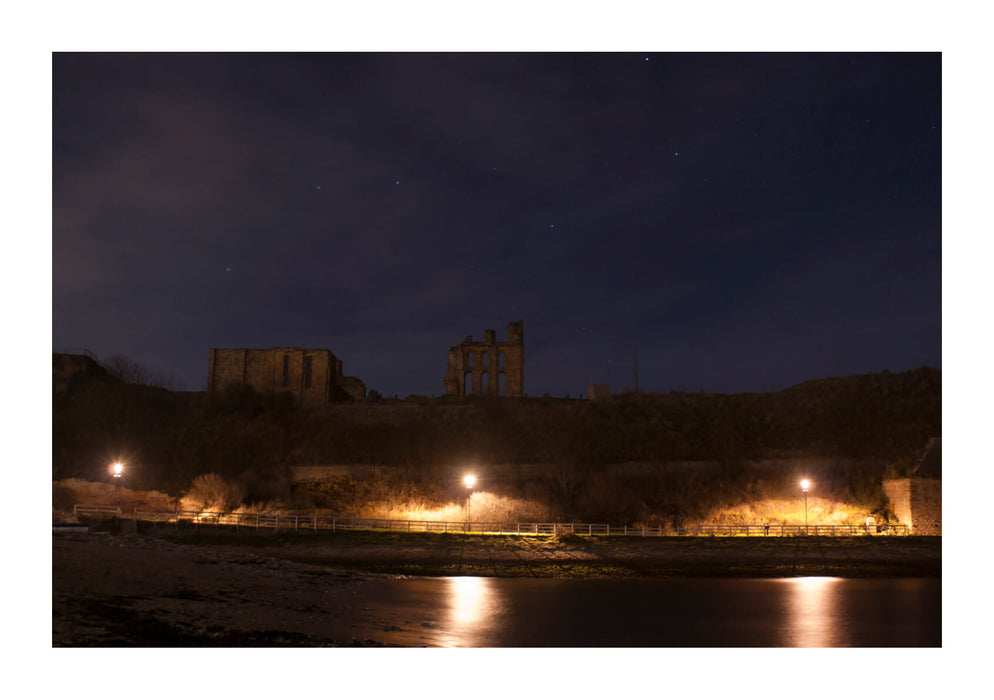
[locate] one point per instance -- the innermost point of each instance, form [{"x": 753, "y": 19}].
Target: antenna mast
[{"x": 635, "y": 367}]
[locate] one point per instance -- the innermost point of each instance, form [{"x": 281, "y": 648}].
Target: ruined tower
[{"x": 488, "y": 367}]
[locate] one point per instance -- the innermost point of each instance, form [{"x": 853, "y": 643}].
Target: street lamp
[
  {"x": 469, "y": 480},
  {"x": 118, "y": 470},
  {"x": 804, "y": 487}
]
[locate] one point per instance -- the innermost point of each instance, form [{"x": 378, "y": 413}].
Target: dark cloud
[{"x": 749, "y": 220}]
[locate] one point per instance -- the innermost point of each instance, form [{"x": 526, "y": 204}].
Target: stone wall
[
  {"x": 917, "y": 503},
  {"x": 311, "y": 375},
  {"x": 596, "y": 392},
  {"x": 478, "y": 368},
  {"x": 352, "y": 386},
  {"x": 70, "y": 371},
  {"x": 898, "y": 492}
]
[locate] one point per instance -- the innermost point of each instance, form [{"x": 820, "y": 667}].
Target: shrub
[{"x": 211, "y": 492}]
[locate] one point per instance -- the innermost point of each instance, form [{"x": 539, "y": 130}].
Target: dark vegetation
[{"x": 874, "y": 426}]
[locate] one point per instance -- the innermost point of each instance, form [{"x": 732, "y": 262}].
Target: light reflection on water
[
  {"x": 472, "y": 607},
  {"x": 468, "y": 611},
  {"x": 812, "y": 612}
]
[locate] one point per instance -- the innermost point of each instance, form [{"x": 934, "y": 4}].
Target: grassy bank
[
  {"x": 567, "y": 456},
  {"x": 572, "y": 556}
]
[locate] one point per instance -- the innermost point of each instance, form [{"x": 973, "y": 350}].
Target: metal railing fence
[
  {"x": 296, "y": 521},
  {"x": 97, "y": 510}
]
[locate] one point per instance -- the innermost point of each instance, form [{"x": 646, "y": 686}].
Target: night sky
[{"x": 748, "y": 221}]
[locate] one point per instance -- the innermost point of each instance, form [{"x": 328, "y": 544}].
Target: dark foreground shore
[{"x": 216, "y": 589}]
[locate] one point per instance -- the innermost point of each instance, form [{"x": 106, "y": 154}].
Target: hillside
[{"x": 869, "y": 426}]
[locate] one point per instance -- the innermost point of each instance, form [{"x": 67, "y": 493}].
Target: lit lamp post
[
  {"x": 804, "y": 487},
  {"x": 118, "y": 470},
  {"x": 469, "y": 480}
]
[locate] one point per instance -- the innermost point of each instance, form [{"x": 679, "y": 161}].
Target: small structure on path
[
  {"x": 917, "y": 500},
  {"x": 596, "y": 392}
]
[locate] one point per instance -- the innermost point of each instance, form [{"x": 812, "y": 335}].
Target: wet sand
[{"x": 131, "y": 591}]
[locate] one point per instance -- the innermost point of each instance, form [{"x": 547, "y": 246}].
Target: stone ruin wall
[
  {"x": 70, "y": 370},
  {"x": 917, "y": 503},
  {"x": 475, "y": 367},
  {"x": 313, "y": 376},
  {"x": 597, "y": 392},
  {"x": 353, "y": 387}
]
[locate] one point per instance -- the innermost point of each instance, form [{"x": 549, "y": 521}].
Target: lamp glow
[
  {"x": 118, "y": 469},
  {"x": 469, "y": 480}
]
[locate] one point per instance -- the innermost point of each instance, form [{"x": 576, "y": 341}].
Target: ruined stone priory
[
  {"x": 313, "y": 376},
  {"x": 488, "y": 367}
]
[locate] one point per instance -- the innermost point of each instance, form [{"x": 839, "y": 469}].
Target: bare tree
[{"x": 130, "y": 372}]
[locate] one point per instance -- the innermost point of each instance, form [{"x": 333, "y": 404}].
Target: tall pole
[
  {"x": 469, "y": 480},
  {"x": 804, "y": 487},
  {"x": 635, "y": 367}
]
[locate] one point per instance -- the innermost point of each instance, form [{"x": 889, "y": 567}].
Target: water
[{"x": 797, "y": 612}]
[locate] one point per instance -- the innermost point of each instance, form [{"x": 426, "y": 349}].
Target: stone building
[
  {"x": 72, "y": 370},
  {"x": 313, "y": 376},
  {"x": 917, "y": 500},
  {"x": 596, "y": 392},
  {"x": 488, "y": 367}
]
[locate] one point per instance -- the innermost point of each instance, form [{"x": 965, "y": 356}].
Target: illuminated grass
[
  {"x": 483, "y": 506},
  {"x": 68, "y": 492},
  {"x": 790, "y": 511}
]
